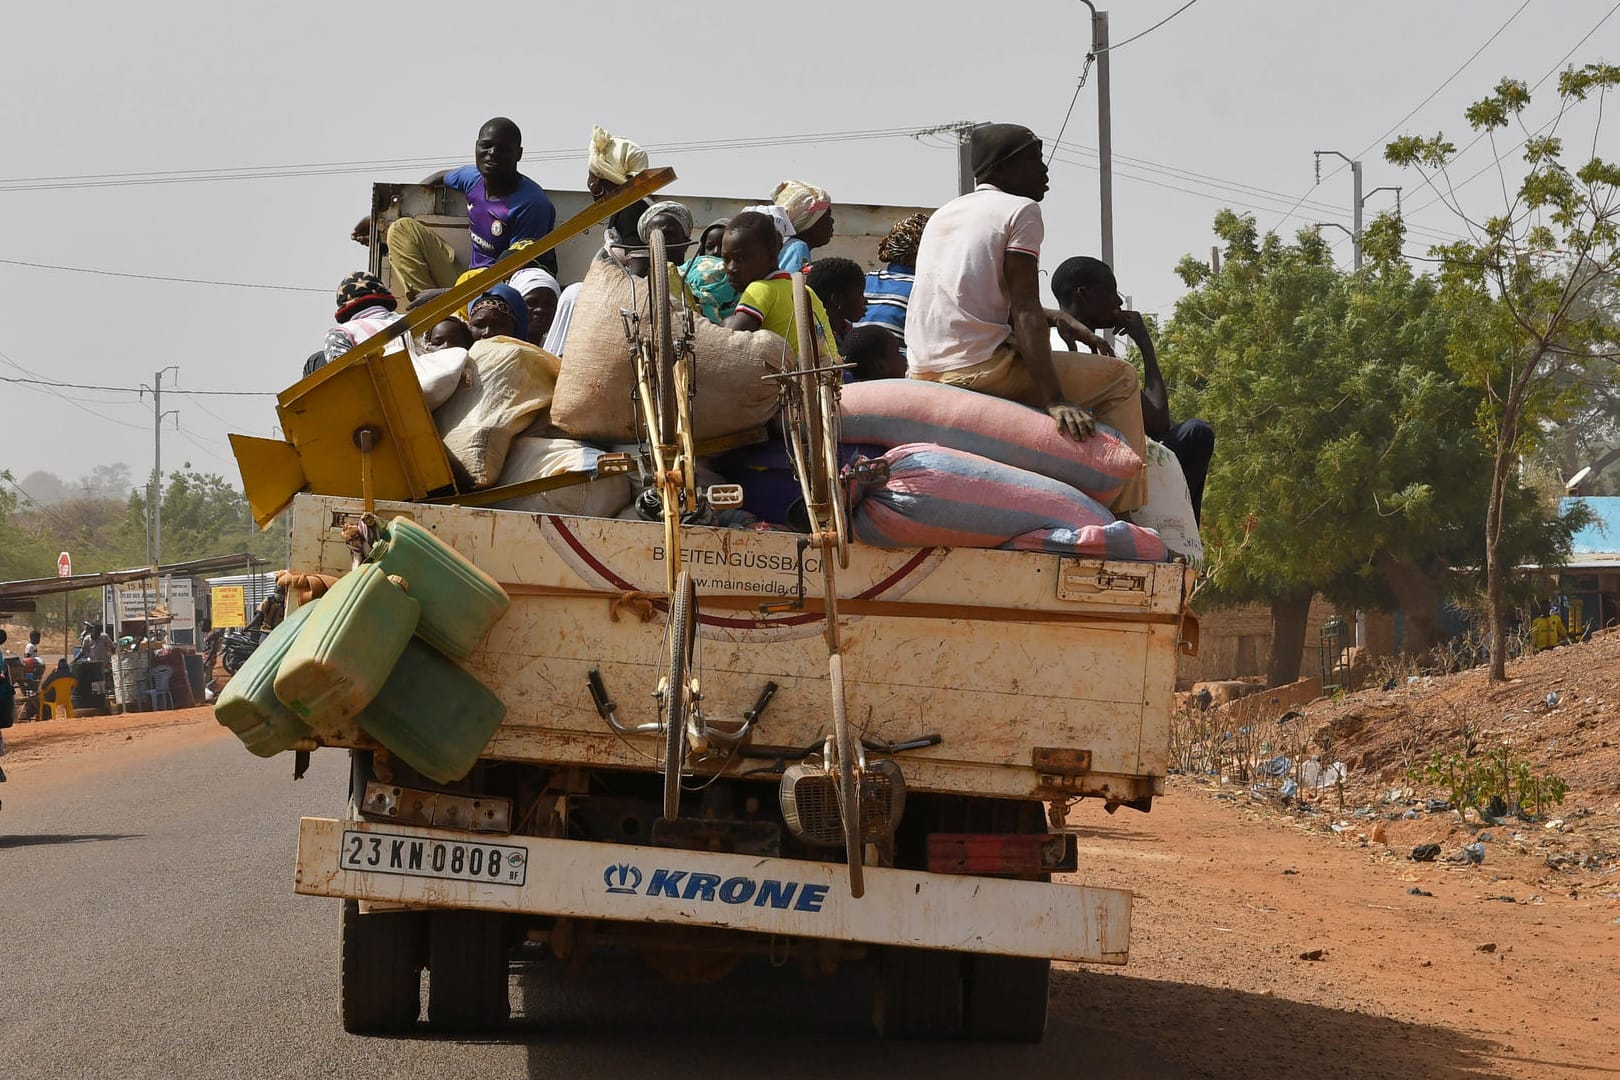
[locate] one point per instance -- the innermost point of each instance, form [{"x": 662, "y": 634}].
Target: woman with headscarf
[
  {"x": 540, "y": 292},
  {"x": 499, "y": 311},
  {"x": 809, "y": 211},
  {"x": 611, "y": 163}
]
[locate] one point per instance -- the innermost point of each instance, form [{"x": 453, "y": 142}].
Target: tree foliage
[
  {"x": 1523, "y": 332},
  {"x": 1348, "y": 461}
]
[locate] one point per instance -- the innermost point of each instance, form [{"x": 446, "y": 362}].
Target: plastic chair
[
  {"x": 160, "y": 689},
  {"x": 57, "y": 698}
]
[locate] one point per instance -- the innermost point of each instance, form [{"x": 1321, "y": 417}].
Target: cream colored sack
[
  {"x": 1168, "y": 510},
  {"x": 593, "y": 392},
  {"x": 509, "y": 383},
  {"x": 533, "y": 457},
  {"x": 441, "y": 373}
]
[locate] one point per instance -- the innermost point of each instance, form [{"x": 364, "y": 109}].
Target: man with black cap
[{"x": 975, "y": 318}]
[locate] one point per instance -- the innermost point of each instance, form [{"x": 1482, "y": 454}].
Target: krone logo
[{"x": 622, "y": 878}]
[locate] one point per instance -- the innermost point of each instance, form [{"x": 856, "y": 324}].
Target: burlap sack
[
  {"x": 593, "y": 392},
  {"x": 532, "y": 457},
  {"x": 509, "y": 382}
]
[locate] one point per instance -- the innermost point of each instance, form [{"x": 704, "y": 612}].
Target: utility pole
[
  {"x": 1105, "y": 131},
  {"x": 154, "y": 500},
  {"x": 965, "y": 182}
]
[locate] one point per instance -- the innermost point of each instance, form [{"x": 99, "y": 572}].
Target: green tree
[
  {"x": 203, "y": 515},
  {"x": 1347, "y": 453},
  {"x": 1514, "y": 289}
]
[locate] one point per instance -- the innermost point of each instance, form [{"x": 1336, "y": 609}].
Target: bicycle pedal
[
  {"x": 724, "y": 495},
  {"x": 614, "y": 464}
]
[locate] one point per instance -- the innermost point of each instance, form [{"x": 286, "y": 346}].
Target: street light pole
[
  {"x": 1105, "y": 131},
  {"x": 1355, "y": 201}
]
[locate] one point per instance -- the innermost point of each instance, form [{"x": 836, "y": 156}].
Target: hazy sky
[{"x": 1222, "y": 106}]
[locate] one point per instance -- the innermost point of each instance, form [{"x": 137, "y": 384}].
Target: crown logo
[{"x": 622, "y": 878}]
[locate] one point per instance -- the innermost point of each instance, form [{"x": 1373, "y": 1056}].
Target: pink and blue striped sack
[
  {"x": 893, "y": 412},
  {"x": 933, "y": 496}
]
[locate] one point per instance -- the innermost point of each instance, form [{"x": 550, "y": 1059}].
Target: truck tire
[
  {"x": 380, "y": 975},
  {"x": 918, "y": 994},
  {"x": 1005, "y": 997},
  {"x": 467, "y": 978}
]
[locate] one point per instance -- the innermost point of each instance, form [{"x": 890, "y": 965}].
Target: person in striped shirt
[{"x": 889, "y": 290}]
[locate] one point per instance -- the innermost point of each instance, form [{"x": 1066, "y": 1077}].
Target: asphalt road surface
[{"x": 148, "y": 928}]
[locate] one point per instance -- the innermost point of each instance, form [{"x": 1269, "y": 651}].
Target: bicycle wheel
[
  {"x": 680, "y": 645},
  {"x": 849, "y": 787},
  {"x": 838, "y": 512},
  {"x": 814, "y": 435},
  {"x": 663, "y": 338}
]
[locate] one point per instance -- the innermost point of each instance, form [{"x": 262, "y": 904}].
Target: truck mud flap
[{"x": 789, "y": 897}]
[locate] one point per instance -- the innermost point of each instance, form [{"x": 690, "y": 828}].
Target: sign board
[
  {"x": 133, "y": 602},
  {"x": 64, "y": 565},
  {"x": 230, "y": 606}
]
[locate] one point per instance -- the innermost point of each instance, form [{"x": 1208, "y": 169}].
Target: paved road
[{"x": 148, "y": 929}]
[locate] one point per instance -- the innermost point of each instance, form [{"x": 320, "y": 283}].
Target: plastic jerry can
[
  {"x": 346, "y": 650},
  {"x": 248, "y": 705},
  {"x": 459, "y": 601},
  {"x": 433, "y": 715}
]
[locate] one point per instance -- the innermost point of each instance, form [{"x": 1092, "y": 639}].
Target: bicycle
[
  {"x": 810, "y": 421},
  {"x": 664, "y": 389}
]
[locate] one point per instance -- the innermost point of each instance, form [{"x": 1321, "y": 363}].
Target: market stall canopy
[{"x": 11, "y": 591}]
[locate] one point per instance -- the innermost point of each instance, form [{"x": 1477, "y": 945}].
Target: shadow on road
[
  {"x": 48, "y": 839},
  {"x": 618, "y": 1017}
]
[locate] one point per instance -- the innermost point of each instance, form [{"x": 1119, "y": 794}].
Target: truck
[{"x": 993, "y": 690}]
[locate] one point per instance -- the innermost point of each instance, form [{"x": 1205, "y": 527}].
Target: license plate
[{"x": 372, "y": 852}]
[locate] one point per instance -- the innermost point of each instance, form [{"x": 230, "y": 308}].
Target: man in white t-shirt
[{"x": 975, "y": 318}]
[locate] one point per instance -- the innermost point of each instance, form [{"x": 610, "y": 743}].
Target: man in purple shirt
[{"x": 503, "y": 207}]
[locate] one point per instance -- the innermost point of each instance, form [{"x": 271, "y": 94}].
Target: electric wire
[
  {"x": 1149, "y": 30},
  {"x": 160, "y": 277},
  {"x": 1474, "y": 56},
  {"x": 49, "y": 383}
]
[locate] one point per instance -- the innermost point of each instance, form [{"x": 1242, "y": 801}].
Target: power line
[
  {"x": 130, "y": 389},
  {"x": 160, "y": 277},
  {"x": 332, "y": 168},
  {"x": 1149, "y": 30},
  {"x": 46, "y": 385},
  {"x": 1416, "y": 108},
  {"x": 1292, "y": 210},
  {"x": 1536, "y": 86}
]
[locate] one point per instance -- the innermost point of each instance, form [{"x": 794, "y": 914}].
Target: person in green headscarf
[{"x": 705, "y": 275}]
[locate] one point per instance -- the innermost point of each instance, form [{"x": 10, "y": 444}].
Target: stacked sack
[
  {"x": 964, "y": 469},
  {"x": 380, "y": 651}
]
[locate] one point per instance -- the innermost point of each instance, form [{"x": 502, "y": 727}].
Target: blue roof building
[{"x": 1591, "y": 578}]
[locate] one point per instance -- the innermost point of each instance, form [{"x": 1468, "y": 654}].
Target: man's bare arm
[
  {"x": 1032, "y": 339},
  {"x": 1155, "y": 397}
]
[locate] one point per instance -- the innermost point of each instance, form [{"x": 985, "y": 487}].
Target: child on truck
[{"x": 750, "y": 248}]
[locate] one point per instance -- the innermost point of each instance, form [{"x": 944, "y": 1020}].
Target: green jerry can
[
  {"x": 344, "y": 653},
  {"x": 459, "y": 601},
  {"x": 248, "y": 705},
  {"x": 433, "y": 715}
]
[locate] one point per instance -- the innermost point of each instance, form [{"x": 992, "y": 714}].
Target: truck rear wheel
[
  {"x": 380, "y": 975},
  {"x": 467, "y": 978},
  {"x": 1005, "y": 997},
  {"x": 918, "y": 995}
]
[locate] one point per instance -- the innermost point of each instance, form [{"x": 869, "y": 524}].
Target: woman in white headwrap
[
  {"x": 809, "y": 210},
  {"x": 540, "y": 292}
]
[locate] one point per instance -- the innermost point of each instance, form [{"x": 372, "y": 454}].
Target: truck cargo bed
[{"x": 1043, "y": 676}]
